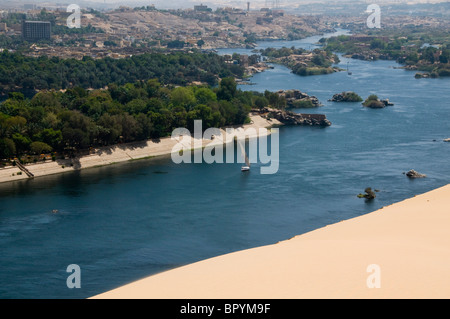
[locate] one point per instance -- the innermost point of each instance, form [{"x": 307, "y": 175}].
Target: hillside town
[{"x": 127, "y": 31}]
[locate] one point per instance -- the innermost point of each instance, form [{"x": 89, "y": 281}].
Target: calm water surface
[{"x": 124, "y": 222}]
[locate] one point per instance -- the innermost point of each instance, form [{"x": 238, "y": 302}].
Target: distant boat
[
  {"x": 348, "y": 71},
  {"x": 246, "y": 167}
]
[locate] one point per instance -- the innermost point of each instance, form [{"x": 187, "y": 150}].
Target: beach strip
[
  {"x": 125, "y": 152},
  {"x": 399, "y": 251}
]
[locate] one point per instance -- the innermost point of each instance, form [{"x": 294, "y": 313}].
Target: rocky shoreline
[{"x": 291, "y": 118}]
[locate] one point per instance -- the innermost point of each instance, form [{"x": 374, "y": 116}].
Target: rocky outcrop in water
[
  {"x": 413, "y": 174},
  {"x": 346, "y": 97},
  {"x": 369, "y": 194},
  {"x": 386, "y": 102},
  {"x": 375, "y": 103},
  {"x": 291, "y": 118},
  {"x": 298, "y": 99}
]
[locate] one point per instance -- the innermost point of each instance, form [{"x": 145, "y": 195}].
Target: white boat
[{"x": 246, "y": 167}]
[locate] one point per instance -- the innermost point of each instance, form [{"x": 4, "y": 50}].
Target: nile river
[{"x": 124, "y": 222}]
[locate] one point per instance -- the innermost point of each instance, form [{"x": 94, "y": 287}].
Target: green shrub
[
  {"x": 303, "y": 104},
  {"x": 352, "y": 97},
  {"x": 40, "y": 148},
  {"x": 374, "y": 104}
]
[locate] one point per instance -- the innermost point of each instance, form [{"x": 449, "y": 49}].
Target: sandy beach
[
  {"x": 399, "y": 251},
  {"x": 125, "y": 152}
]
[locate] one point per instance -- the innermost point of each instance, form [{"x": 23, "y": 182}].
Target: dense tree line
[
  {"x": 78, "y": 119},
  {"x": 19, "y": 72},
  {"x": 282, "y": 52}
]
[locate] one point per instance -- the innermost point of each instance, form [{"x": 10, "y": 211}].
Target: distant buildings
[
  {"x": 3, "y": 27},
  {"x": 36, "y": 30},
  {"x": 28, "y": 6}
]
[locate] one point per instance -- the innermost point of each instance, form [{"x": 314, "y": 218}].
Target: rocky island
[
  {"x": 291, "y": 118},
  {"x": 369, "y": 194},
  {"x": 413, "y": 174},
  {"x": 298, "y": 99},
  {"x": 346, "y": 97},
  {"x": 303, "y": 62},
  {"x": 375, "y": 103}
]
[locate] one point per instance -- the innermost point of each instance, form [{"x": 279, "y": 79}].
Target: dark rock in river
[
  {"x": 298, "y": 99},
  {"x": 369, "y": 194},
  {"x": 413, "y": 174},
  {"x": 291, "y": 118},
  {"x": 386, "y": 102}
]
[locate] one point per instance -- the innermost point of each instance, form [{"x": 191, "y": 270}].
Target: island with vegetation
[
  {"x": 303, "y": 62},
  {"x": 415, "y": 48},
  {"x": 346, "y": 97},
  {"x": 375, "y": 103}
]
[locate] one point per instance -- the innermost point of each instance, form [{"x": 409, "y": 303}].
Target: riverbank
[
  {"x": 407, "y": 245},
  {"x": 123, "y": 153}
]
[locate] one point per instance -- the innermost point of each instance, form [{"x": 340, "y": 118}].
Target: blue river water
[{"x": 124, "y": 222}]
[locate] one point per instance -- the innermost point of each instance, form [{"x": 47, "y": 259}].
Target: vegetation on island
[
  {"x": 373, "y": 102},
  {"x": 346, "y": 97},
  {"x": 416, "y": 49},
  {"x": 303, "y": 62}
]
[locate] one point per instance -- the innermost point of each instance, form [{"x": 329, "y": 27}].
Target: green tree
[
  {"x": 7, "y": 148},
  {"x": 136, "y": 106},
  {"x": 377, "y": 44},
  {"x": 131, "y": 129},
  {"x": 205, "y": 95},
  {"x": 184, "y": 97},
  {"x": 319, "y": 59},
  {"x": 22, "y": 143},
  {"x": 51, "y": 137},
  {"x": 261, "y": 102},
  {"x": 109, "y": 129},
  {"x": 227, "y": 89},
  {"x": 40, "y": 148},
  {"x": 200, "y": 43},
  {"x": 78, "y": 130}
]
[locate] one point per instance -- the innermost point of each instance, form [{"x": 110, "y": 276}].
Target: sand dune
[{"x": 400, "y": 251}]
